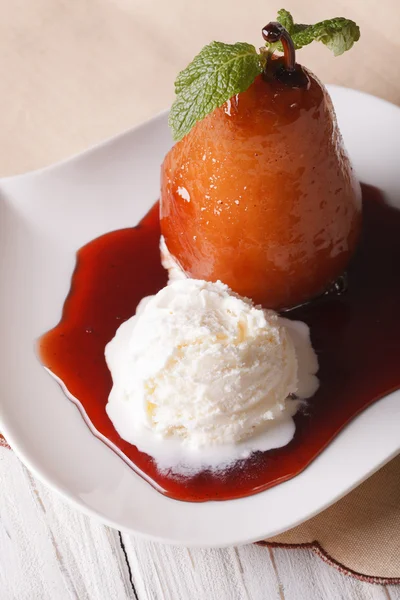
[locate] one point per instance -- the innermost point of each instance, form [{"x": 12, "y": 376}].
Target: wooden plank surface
[{"x": 50, "y": 551}]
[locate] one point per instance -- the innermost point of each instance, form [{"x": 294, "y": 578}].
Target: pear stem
[
  {"x": 289, "y": 74},
  {"x": 275, "y": 32}
]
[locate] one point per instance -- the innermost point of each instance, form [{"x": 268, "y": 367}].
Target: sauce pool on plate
[{"x": 356, "y": 336}]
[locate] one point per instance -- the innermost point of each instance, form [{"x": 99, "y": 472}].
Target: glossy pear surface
[{"x": 261, "y": 195}]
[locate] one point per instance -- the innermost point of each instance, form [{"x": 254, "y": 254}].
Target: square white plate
[{"x": 45, "y": 217}]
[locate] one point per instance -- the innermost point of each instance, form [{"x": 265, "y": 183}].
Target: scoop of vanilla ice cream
[{"x": 201, "y": 364}]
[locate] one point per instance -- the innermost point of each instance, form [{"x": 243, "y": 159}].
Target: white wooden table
[{"x": 50, "y": 551}]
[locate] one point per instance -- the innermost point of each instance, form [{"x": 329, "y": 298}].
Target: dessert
[
  {"x": 356, "y": 336},
  {"x": 207, "y": 369},
  {"x": 258, "y": 193}
]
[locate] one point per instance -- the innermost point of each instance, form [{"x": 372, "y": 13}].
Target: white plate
[{"x": 44, "y": 218}]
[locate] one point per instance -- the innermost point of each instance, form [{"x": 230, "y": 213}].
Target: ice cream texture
[{"x": 203, "y": 366}]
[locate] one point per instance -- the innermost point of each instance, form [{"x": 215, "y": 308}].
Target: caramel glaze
[{"x": 356, "y": 336}]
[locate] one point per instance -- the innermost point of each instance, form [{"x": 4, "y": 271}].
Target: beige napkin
[
  {"x": 76, "y": 72},
  {"x": 360, "y": 534}
]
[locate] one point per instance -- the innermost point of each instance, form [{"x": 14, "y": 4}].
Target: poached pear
[{"x": 260, "y": 194}]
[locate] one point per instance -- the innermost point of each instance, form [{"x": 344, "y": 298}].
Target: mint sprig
[
  {"x": 221, "y": 71},
  {"x": 216, "y": 74},
  {"x": 286, "y": 19},
  {"x": 337, "y": 34}
]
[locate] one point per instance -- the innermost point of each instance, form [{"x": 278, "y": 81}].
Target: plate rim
[{"x": 93, "y": 513}]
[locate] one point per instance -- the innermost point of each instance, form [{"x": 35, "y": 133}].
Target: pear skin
[{"x": 262, "y": 196}]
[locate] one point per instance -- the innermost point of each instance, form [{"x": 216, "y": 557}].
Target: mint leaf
[
  {"x": 337, "y": 34},
  {"x": 286, "y": 19},
  {"x": 216, "y": 74},
  {"x": 221, "y": 71}
]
